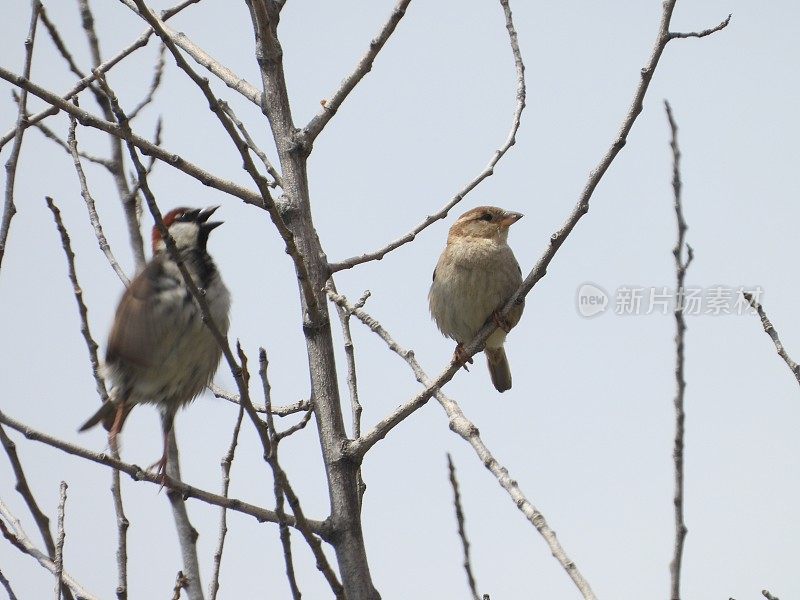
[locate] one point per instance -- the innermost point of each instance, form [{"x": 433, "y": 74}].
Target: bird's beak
[
  {"x": 203, "y": 217},
  {"x": 510, "y": 218}
]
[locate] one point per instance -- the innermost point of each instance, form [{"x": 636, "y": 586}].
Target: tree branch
[
  {"x": 175, "y": 160},
  {"x": 770, "y": 330},
  {"x": 9, "y": 209},
  {"x": 681, "y": 264},
  {"x": 467, "y": 430},
  {"x": 16, "y": 535},
  {"x": 487, "y": 171},
  {"x": 320, "y": 528},
  {"x": 462, "y": 533},
  {"x": 364, "y": 66}
]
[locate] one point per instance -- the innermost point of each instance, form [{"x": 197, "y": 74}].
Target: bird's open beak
[
  {"x": 510, "y": 218},
  {"x": 203, "y": 217}
]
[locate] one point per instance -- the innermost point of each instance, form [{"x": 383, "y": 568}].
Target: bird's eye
[
  {"x": 182, "y": 217},
  {"x": 486, "y": 217}
]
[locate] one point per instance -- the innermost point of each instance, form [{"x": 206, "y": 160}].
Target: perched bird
[
  {"x": 475, "y": 276},
  {"x": 159, "y": 350}
]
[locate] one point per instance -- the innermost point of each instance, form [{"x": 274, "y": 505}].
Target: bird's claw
[
  {"x": 461, "y": 358},
  {"x": 501, "y": 322}
]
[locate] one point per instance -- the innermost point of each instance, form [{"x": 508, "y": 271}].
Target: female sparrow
[
  {"x": 159, "y": 350},
  {"x": 475, "y": 276}
]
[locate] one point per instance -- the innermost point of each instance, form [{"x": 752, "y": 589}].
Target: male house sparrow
[
  {"x": 475, "y": 276},
  {"x": 159, "y": 350}
]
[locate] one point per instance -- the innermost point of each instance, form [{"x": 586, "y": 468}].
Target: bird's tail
[
  {"x": 105, "y": 414},
  {"x": 498, "y": 368}
]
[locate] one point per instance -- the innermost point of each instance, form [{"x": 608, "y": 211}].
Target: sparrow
[
  {"x": 159, "y": 350},
  {"x": 475, "y": 276}
]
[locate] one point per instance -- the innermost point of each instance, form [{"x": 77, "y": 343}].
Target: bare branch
[
  {"x": 352, "y": 380},
  {"x": 467, "y": 430},
  {"x": 360, "y": 446},
  {"x": 767, "y": 595},
  {"x": 181, "y": 581},
  {"x": 704, "y": 33},
  {"x": 225, "y": 465},
  {"x": 364, "y": 66},
  {"x": 9, "y": 209},
  {"x": 175, "y": 160},
  {"x": 301, "y": 424},
  {"x": 158, "y": 72},
  {"x": 276, "y": 177},
  {"x": 140, "y": 42},
  {"x": 13, "y": 532},
  {"x": 262, "y": 429},
  {"x": 138, "y": 474},
  {"x": 286, "y": 541},
  {"x": 91, "y": 345},
  {"x": 7, "y": 585},
  {"x": 487, "y": 171},
  {"x": 72, "y": 144},
  {"x": 770, "y": 330},
  {"x": 59, "y": 557},
  {"x": 280, "y": 411},
  {"x": 56, "y": 139},
  {"x": 122, "y": 526},
  {"x": 260, "y": 181},
  {"x": 187, "y": 534},
  {"x": 681, "y": 264},
  {"x": 200, "y": 56},
  {"x": 462, "y": 534}
]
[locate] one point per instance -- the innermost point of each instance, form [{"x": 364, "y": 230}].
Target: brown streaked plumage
[
  {"x": 159, "y": 350},
  {"x": 476, "y": 274}
]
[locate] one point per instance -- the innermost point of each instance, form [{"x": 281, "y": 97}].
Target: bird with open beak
[
  {"x": 476, "y": 275},
  {"x": 159, "y": 350}
]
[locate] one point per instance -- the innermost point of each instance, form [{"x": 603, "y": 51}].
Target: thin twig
[
  {"x": 72, "y": 144},
  {"x": 352, "y": 379},
  {"x": 681, "y": 264},
  {"x": 701, "y": 34},
  {"x": 277, "y": 180},
  {"x": 381, "y": 429},
  {"x": 364, "y": 66},
  {"x": 280, "y": 411},
  {"x": 296, "y": 427},
  {"x": 200, "y": 56},
  {"x": 158, "y": 73},
  {"x": 462, "y": 533},
  {"x": 81, "y": 85},
  {"x": 486, "y": 172},
  {"x": 225, "y": 465},
  {"x": 174, "y": 160},
  {"x": 181, "y": 581},
  {"x": 122, "y": 526},
  {"x": 467, "y": 430},
  {"x": 9, "y": 208},
  {"x": 60, "y": 535},
  {"x": 770, "y": 330},
  {"x": 261, "y": 182},
  {"x": 7, "y": 585},
  {"x": 262, "y": 429},
  {"x": 56, "y": 139},
  {"x": 286, "y": 541},
  {"x": 187, "y": 534},
  {"x": 91, "y": 345},
  {"x": 137, "y": 473},
  {"x": 12, "y": 530}
]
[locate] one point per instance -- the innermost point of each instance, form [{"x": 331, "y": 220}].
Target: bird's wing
[{"x": 136, "y": 329}]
